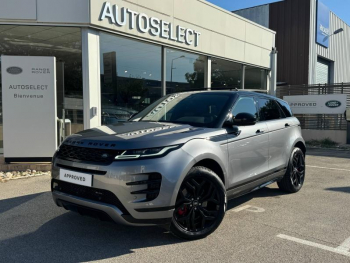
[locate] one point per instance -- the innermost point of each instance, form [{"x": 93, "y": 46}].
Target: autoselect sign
[
  {"x": 145, "y": 24},
  {"x": 29, "y": 106},
  {"x": 317, "y": 104}
]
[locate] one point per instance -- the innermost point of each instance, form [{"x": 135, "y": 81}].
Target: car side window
[
  {"x": 269, "y": 110},
  {"x": 245, "y": 105},
  {"x": 285, "y": 108}
]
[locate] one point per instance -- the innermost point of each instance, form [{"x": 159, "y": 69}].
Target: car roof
[{"x": 234, "y": 92}]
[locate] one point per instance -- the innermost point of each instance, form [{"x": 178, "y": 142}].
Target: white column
[
  {"x": 243, "y": 77},
  {"x": 207, "y": 74},
  {"x": 91, "y": 78},
  {"x": 163, "y": 71},
  {"x": 273, "y": 82}
]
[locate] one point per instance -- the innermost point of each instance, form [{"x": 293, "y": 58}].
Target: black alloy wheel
[
  {"x": 200, "y": 205},
  {"x": 297, "y": 174},
  {"x": 294, "y": 178}
]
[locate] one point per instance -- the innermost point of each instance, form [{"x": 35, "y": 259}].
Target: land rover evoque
[{"x": 178, "y": 161}]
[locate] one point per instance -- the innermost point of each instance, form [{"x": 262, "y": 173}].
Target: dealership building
[
  {"x": 313, "y": 46},
  {"x": 312, "y": 41},
  {"x": 114, "y": 58}
]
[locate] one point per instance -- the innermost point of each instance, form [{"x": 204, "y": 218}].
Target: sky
[{"x": 340, "y": 7}]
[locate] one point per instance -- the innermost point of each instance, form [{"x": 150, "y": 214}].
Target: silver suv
[{"x": 178, "y": 161}]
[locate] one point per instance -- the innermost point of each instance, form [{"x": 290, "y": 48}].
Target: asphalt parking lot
[{"x": 264, "y": 226}]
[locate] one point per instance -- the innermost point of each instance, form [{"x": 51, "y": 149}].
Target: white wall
[
  {"x": 18, "y": 9},
  {"x": 223, "y": 34},
  {"x": 45, "y": 11},
  {"x": 334, "y": 135}
]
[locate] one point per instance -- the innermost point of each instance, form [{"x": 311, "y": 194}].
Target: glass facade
[
  {"x": 225, "y": 74},
  {"x": 255, "y": 78},
  {"x": 130, "y": 77},
  {"x": 184, "y": 71},
  {"x": 64, "y": 43},
  {"x": 130, "y": 71}
]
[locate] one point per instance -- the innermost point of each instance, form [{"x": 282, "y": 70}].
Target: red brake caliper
[{"x": 182, "y": 211}]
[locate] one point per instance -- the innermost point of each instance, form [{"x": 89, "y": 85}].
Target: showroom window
[
  {"x": 255, "y": 78},
  {"x": 225, "y": 74},
  {"x": 130, "y": 77},
  {"x": 184, "y": 71},
  {"x": 64, "y": 43}
]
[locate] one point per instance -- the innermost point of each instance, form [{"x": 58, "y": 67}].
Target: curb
[
  {"x": 325, "y": 148},
  {"x": 5, "y": 180}
]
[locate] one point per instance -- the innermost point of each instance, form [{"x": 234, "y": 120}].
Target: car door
[
  {"x": 248, "y": 148},
  {"x": 279, "y": 132}
]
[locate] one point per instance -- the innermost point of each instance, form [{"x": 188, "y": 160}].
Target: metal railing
[{"x": 318, "y": 121}]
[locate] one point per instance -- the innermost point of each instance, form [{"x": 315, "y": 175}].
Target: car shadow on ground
[
  {"x": 38, "y": 231},
  {"x": 339, "y": 189},
  {"x": 60, "y": 236},
  {"x": 261, "y": 193},
  {"x": 9, "y": 204},
  {"x": 328, "y": 153}
]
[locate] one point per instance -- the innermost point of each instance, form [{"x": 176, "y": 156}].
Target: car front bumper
[{"x": 131, "y": 208}]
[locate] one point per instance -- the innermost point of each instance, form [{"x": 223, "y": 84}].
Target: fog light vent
[{"x": 153, "y": 186}]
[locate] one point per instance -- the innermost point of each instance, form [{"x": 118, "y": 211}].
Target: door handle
[
  {"x": 287, "y": 125},
  {"x": 259, "y": 131}
]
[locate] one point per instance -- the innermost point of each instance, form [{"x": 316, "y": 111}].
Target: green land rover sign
[{"x": 333, "y": 104}]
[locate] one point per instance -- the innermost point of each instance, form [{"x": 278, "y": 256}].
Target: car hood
[{"x": 140, "y": 135}]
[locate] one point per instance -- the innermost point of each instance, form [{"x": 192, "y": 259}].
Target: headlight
[{"x": 146, "y": 153}]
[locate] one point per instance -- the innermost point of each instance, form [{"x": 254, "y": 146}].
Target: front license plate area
[{"x": 76, "y": 177}]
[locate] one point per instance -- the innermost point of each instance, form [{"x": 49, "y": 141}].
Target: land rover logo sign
[
  {"x": 317, "y": 104},
  {"x": 14, "y": 70},
  {"x": 333, "y": 104}
]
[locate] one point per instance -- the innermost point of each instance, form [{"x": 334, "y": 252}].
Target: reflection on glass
[
  {"x": 130, "y": 77},
  {"x": 245, "y": 105},
  {"x": 196, "y": 109},
  {"x": 225, "y": 74},
  {"x": 64, "y": 43},
  {"x": 184, "y": 71},
  {"x": 255, "y": 78}
]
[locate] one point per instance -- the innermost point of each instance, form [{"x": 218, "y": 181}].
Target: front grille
[
  {"x": 90, "y": 155},
  {"x": 94, "y": 194}
]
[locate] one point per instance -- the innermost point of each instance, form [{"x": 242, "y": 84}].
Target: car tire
[
  {"x": 200, "y": 205},
  {"x": 294, "y": 177}
]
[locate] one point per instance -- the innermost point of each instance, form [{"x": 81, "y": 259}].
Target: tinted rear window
[
  {"x": 269, "y": 110},
  {"x": 285, "y": 108}
]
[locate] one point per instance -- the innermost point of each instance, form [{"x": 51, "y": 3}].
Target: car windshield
[{"x": 196, "y": 109}]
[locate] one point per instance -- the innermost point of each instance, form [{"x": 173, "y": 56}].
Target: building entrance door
[{"x": 322, "y": 71}]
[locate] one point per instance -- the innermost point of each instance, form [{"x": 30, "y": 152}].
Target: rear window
[
  {"x": 285, "y": 108},
  {"x": 269, "y": 110}
]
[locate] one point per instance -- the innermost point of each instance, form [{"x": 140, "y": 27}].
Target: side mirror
[{"x": 244, "y": 119}]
